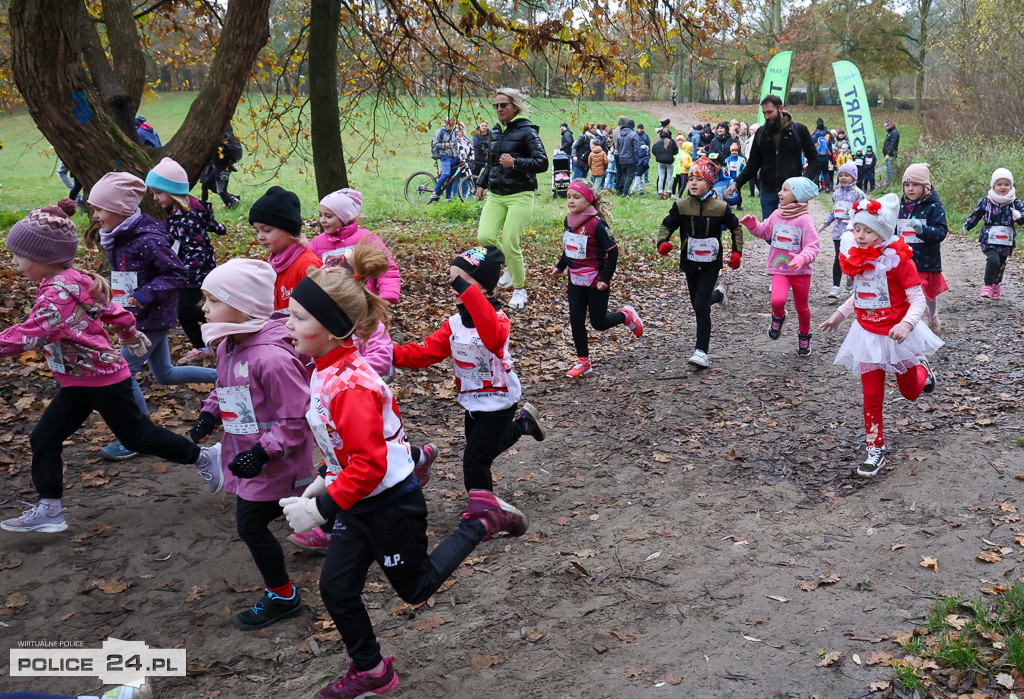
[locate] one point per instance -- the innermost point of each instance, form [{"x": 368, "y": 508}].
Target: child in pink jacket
[
  {"x": 261, "y": 400},
  {"x": 794, "y": 245},
  {"x": 66, "y": 325},
  {"x": 339, "y": 212}
]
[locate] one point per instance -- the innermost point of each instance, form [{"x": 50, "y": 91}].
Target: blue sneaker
[
  {"x": 267, "y": 610},
  {"x": 117, "y": 452}
]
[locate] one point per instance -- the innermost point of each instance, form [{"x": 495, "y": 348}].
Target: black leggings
[
  {"x": 190, "y": 315},
  {"x": 701, "y": 283},
  {"x": 251, "y": 519},
  {"x": 995, "y": 263},
  {"x": 837, "y": 272},
  {"x": 395, "y": 536},
  {"x": 72, "y": 406},
  {"x": 580, "y": 299},
  {"x": 488, "y": 434}
]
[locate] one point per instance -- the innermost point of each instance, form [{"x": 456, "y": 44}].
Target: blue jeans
[
  {"x": 769, "y": 203},
  {"x": 159, "y": 359},
  {"x": 447, "y": 165}
]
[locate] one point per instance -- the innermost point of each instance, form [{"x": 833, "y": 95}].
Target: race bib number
[
  {"x": 176, "y": 246},
  {"x": 236, "y": 410},
  {"x": 1000, "y": 235},
  {"x": 702, "y": 249},
  {"x": 472, "y": 362},
  {"x": 786, "y": 237},
  {"x": 831, "y": 166},
  {"x": 123, "y": 284},
  {"x": 583, "y": 277},
  {"x": 575, "y": 245},
  {"x": 907, "y": 231},
  {"x": 337, "y": 257},
  {"x": 871, "y": 293},
  {"x": 54, "y": 358},
  {"x": 841, "y": 210}
]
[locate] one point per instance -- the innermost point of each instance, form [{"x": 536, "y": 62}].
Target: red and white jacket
[
  {"x": 480, "y": 355},
  {"x": 356, "y": 423}
]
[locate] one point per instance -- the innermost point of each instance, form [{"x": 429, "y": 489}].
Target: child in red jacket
[{"x": 277, "y": 218}]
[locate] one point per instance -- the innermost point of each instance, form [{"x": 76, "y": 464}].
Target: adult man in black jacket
[
  {"x": 567, "y": 139},
  {"x": 775, "y": 155},
  {"x": 890, "y": 149}
]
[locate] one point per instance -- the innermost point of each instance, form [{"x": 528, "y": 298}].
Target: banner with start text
[
  {"x": 859, "y": 130},
  {"x": 776, "y": 80}
]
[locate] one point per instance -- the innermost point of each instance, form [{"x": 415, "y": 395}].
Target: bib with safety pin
[
  {"x": 1000, "y": 235},
  {"x": 472, "y": 362},
  {"x": 123, "y": 284},
  {"x": 322, "y": 436},
  {"x": 337, "y": 256},
  {"x": 786, "y": 237},
  {"x": 702, "y": 249},
  {"x": 575, "y": 245},
  {"x": 236, "y": 410},
  {"x": 871, "y": 294},
  {"x": 907, "y": 231},
  {"x": 54, "y": 357},
  {"x": 841, "y": 210}
]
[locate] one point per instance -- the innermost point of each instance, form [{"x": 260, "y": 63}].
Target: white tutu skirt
[{"x": 864, "y": 351}]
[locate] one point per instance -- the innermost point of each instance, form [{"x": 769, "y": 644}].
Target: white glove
[
  {"x": 916, "y": 224},
  {"x": 138, "y": 345},
  {"x": 301, "y": 513},
  {"x": 1016, "y": 214},
  {"x": 316, "y": 488}
]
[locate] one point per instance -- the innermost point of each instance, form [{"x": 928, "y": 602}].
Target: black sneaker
[
  {"x": 527, "y": 417},
  {"x": 874, "y": 462},
  {"x": 269, "y": 609},
  {"x": 775, "y": 329},
  {"x": 929, "y": 383},
  {"x": 804, "y": 347}
]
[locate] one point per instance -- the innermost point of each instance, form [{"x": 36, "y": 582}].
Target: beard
[{"x": 773, "y": 124}]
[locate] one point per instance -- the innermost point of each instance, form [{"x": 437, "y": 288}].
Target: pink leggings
[
  {"x": 801, "y": 285},
  {"x": 911, "y": 384}
]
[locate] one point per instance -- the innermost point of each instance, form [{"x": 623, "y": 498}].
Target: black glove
[
  {"x": 248, "y": 464},
  {"x": 203, "y": 426}
]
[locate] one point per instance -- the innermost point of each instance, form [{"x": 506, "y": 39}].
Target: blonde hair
[
  {"x": 363, "y": 307},
  {"x": 517, "y": 100},
  {"x": 180, "y": 199},
  {"x": 100, "y": 287},
  {"x": 602, "y": 206}
]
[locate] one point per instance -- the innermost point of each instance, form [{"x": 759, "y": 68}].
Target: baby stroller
[{"x": 561, "y": 174}]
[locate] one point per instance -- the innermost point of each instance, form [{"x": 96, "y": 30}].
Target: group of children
[{"x": 304, "y": 358}]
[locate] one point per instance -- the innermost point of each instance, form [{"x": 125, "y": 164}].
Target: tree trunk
[
  {"x": 738, "y": 96},
  {"x": 924, "y": 8},
  {"x": 325, "y": 118}
]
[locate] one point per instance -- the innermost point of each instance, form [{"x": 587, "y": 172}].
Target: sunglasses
[{"x": 499, "y": 105}]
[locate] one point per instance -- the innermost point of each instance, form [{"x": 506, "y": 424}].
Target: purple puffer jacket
[
  {"x": 142, "y": 250},
  {"x": 848, "y": 195},
  {"x": 262, "y": 395}
]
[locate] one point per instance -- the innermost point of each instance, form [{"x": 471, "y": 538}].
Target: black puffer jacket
[
  {"x": 778, "y": 160},
  {"x": 521, "y": 140}
]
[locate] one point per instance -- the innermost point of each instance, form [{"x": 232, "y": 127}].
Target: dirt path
[{"x": 673, "y": 514}]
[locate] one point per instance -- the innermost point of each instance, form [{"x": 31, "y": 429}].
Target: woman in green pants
[{"x": 514, "y": 158}]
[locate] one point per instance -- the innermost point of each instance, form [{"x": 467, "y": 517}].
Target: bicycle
[{"x": 420, "y": 185}]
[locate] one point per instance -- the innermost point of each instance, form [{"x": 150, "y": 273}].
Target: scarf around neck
[
  {"x": 577, "y": 220},
  {"x": 284, "y": 259},
  {"x": 215, "y": 332},
  {"x": 874, "y": 261},
  {"x": 107, "y": 239},
  {"x": 792, "y": 210},
  {"x": 1004, "y": 199}
]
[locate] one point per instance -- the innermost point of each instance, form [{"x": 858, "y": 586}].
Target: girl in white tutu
[{"x": 887, "y": 335}]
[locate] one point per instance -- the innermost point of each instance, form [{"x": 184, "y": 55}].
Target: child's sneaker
[
  {"x": 527, "y": 417},
  {"x": 197, "y": 354},
  {"x": 874, "y": 462},
  {"x": 834, "y": 294},
  {"x": 724, "y": 303},
  {"x": 126, "y": 691},
  {"x": 775, "y": 329},
  {"x": 505, "y": 280},
  {"x": 354, "y": 684},
  {"x": 929, "y": 382},
  {"x": 633, "y": 321},
  {"x": 935, "y": 323},
  {"x": 518, "y": 299},
  {"x": 37, "y": 518},
  {"x": 986, "y": 291},
  {"x": 582, "y": 367},
  {"x": 804, "y": 345},
  {"x": 428, "y": 452},
  {"x": 267, "y": 610},
  {"x": 314, "y": 541},
  {"x": 997, "y": 291},
  {"x": 117, "y": 452},
  {"x": 495, "y": 514},
  {"x": 699, "y": 358},
  {"x": 208, "y": 468}
]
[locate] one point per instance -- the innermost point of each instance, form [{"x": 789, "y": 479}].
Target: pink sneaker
[
  {"x": 428, "y": 452},
  {"x": 580, "y": 368},
  {"x": 986, "y": 292},
  {"x": 354, "y": 684},
  {"x": 997, "y": 291},
  {"x": 495, "y": 514},
  {"x": 633, "y": 321},
  {"x": 314, "y": 540},
  {"x": 195, "y": 355}
]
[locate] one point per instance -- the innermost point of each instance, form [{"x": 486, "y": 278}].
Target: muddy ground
[{"x": 674, "y": 513}]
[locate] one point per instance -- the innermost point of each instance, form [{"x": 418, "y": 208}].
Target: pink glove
[
  {"x": 750, "y": 221},
  {"x": 796, "y": 263},
  {"x": 665, "y": 248}
]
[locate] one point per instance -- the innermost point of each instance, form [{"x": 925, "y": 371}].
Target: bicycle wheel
[
  {"x": 466, "y": 188},
  {"x": 419, "y": 187}
]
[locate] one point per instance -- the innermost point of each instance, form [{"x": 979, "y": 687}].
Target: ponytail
[{"x": 348, "y": 289}]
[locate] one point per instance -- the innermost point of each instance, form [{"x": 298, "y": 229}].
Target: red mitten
[
  {"x": 665, "y": 248},
  {"x": 750, "y": 221},
  {"x": 734, "y": 259}
]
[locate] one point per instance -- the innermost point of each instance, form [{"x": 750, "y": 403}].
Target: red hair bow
[{"x": 873, "y": 206}]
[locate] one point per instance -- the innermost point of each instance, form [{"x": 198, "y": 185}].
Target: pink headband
[{"x": 584, "y": 190}]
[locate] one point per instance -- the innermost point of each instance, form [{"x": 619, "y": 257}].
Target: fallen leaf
[
  {"x": 877, "y": 686},
  {"x": 930, "y": 562},
  {"x": 671, "y": 679},
  {"x": 585, "y": 553},
  {"x": 828, "y": 578},
  {"x": 829, "y": 658},
  {"x": 661, "y": 458},
  {"x": 897, "y": 546},
  {"x": 624, "y": 636},
  {"x": 808, "y": 586},
  {"x": 956, "y": 621},
  {"x": 197, "y": 592},
  {"x": 532, "y": 634},
  {"x": 877, "y": 656},
  {"x": 752, "y": 639},
  {"x": 473, "y": 560},
  {"x": 562, "y": 521},
  {"x": 856, "y": 658},
  {"x": 429, "y": 623},
  {"x": 113, "y": 587},
  {"x": 634, "y": 671},
  {"x": 902, "y": 637},
  {"x": 1007, "y": 507},
  {"x": 16, "y": 600},
  {"x": 1004, "y": 679},
  {"x": 595, "y": 517},
  {"x": 482, "y": 662},
  {"x": 653, "y": 556},
  {"x": 989, "y": 557},
  {"x": 778, "y": 598}
]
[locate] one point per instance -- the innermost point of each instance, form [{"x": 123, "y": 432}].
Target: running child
[
  {"x": 67, "y": 324},
  {"x": 998, "y": 212},
  {"x": 277, "y": 220},
  {"x": 590, "y": 253},
  {"x": 843, "y": 198},
  {"x": 887, "y": 335},
  {"x": 794, "y": 246},
  {"x": 477, "y": 340},
  {"x": 922, "y": 224},
  {"x": 339, "y": 216},
  {"x": 684, "y": 161},
  {"x": 145, "y": 277},
  {"x": 700, "y": 217},
  {"x": 189, "y": 223},
  {"x": 370, "y": 489},
  {"x": 261, "y": 399},
  {"x": 870, "y": 160}
]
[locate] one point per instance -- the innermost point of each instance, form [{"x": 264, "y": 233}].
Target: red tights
[{"x": 910, "y": 382}]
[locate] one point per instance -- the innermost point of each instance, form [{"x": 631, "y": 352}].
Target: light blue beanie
[
  {"x": 168, "y": 176},
  {"x": 803, "y": 189}
]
